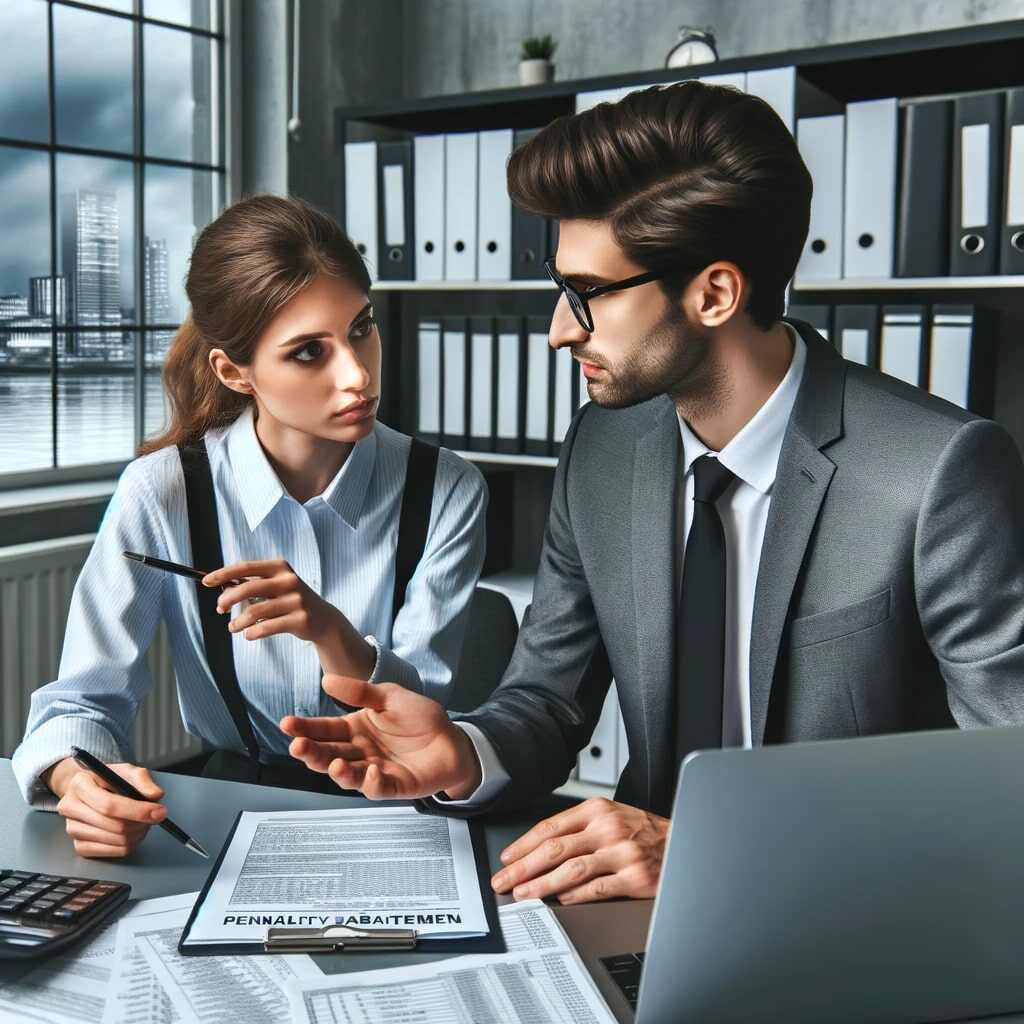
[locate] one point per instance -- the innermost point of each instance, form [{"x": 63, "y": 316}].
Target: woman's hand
[{"x": 103, "y": 823}]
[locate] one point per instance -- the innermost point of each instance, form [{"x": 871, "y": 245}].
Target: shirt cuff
[
  {"x": 52, "y": 742},
  {"x": 390, "y": 668},
  {"x": 493, "y": 777}
]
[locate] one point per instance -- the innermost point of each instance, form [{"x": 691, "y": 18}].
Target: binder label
[
  {"x": 974, "y": 176},
  {"x": 394, "y": 205},
  {"x": 1015, "y": 177}
]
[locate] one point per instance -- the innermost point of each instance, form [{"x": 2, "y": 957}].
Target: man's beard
[{"x": 674, "y": 358}]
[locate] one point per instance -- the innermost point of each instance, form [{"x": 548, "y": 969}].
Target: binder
[
  {"x": 961, "y": 357},
  {"x": 922, "y": 238},
  {"x": 622, "y": 745},
  {"x": 588, "y": 100},
  {"x": 460, "y": 206},
  {"x": 1012, "y": 255},
  {"x": 977, "y": 183},
  {"x": 483, "y": 377},
  {"x": 581, "y": 384},
  {"x": 530, "y": 232},
  {"x": 904, "y": 348},
  {"x": 395, "y": 213},
  {"x": 737, "y": 80},
  {"x": 870, "y": 188},
  {"x": 428, "y": 154},
  {"x": 361, "y": 199},
  {"x": 539, "y": 387},
  {"x": 598, "y": 760},
  {"x": 454, "y": 373},
  {"x": 777, "y": 87},
  {"x": 819, "y": 317},
  {"x": 856, "y": 334},
  {"x": 821, "y": 141},
  {"x": 494, "y": 237},
  {"x": 510, "y": 393},
  {"x": 428, "y": 371},
  {"x": 565, "y": 371}
]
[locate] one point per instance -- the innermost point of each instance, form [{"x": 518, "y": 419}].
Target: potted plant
[{"x": 535, "y": 65}]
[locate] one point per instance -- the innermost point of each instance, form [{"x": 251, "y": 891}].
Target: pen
[
  {"x": 159, "y": 563},
  {"x": 125, "y": 788}
]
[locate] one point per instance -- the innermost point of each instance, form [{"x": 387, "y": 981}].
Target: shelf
[
  {"x": 509, "y": 460},
  {"x": 462, "y": 286},
  {"x": 870, "y": 284}
]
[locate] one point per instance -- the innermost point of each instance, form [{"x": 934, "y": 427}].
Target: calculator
[{"x": 40, "y": 914}]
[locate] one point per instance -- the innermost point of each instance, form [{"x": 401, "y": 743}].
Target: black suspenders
[{"x": 207, "y": 554}]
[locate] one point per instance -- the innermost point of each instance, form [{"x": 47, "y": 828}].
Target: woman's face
[{"x": 316, "y": 366}]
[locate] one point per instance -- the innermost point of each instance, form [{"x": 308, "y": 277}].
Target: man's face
[{"x": 642, "y": 345}]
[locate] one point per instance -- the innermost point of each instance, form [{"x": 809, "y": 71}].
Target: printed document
[
  {"x": 378, "y": 867},
  {"x": 541, "y": 979}
]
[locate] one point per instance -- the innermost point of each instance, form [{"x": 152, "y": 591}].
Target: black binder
[
  {"x": 530, "y": 233},
  {"x": 819, "y": 317},
  {"x": 493, "y": 942},
  {"x": 922, "y": 235},
  {"x": 395, "y": 234},
  {"x": 974, "y": 246},
  {"x": 483, "y": 384},
  {"x": 862, "y": 321},
  {"x": 1011, "y": 222}
]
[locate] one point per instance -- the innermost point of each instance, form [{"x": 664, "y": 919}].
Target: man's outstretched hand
[{"x": 399, "y": 745}]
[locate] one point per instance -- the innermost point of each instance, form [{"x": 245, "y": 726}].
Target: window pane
[
  {"x": 157, "y": 414},
  {"x": 93, "y": 74},
  {"x": 96, "y": 407},
  {"x": 179, "y": 80},
  {"x": 24, "y": 112},
  {"x": 26, "y": 429},
  {"x": 179, "y": 204},
  {"x": 182, "y": 12}
]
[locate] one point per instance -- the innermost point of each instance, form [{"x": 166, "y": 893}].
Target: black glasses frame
[{"x": 579, "y": 301}]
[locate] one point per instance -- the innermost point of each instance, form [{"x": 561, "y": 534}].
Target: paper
[
  {"x": 374, "y": 868},
  {"x": 71, "y": 988},
  {"x": 154, "y": 984},
  {"x": 540, "y": 979}
]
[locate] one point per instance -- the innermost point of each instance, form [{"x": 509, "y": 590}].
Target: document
[
  {"x": 382, "y": 867},
  {"x": 72, "y": 988},
  {"x": 541, "y": 979}
]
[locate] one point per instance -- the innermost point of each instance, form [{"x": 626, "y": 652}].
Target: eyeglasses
[{"x": 579, "y": 301}]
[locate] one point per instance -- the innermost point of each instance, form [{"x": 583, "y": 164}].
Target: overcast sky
[{"x": 93, "y": 76}]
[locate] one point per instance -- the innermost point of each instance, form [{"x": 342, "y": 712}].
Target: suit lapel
[{"x": 801, "y": 483}]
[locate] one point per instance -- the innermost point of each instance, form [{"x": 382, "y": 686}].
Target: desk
[{"x": 36, "y": 841}]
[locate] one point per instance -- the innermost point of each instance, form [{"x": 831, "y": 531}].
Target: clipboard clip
[{"x": 338, "y": 938}]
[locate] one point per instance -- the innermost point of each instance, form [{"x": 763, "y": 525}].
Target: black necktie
[{"x": 700, "y": 625}]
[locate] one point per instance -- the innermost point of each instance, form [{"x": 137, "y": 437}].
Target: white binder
[
  {"x": 901, "y": 345},
  {"x": 623, "y": 745},
  {"x": 565, "y": 366},
  {"x": 584, "y": 393},
  {"x": 949, "y": 373},
  {"x": 599, "y": 761},
  {"x": 494, "y": 237},
  {"x": 454, "y": 381},
  {"x": 586, "y": 100},
  {"x": 429, "y": 383},
  {"x": 537, "y": 391},
  {"x": 777, "y": 87},
  {"x": 821, "y": 141},
  {"x": 738, "y": 80},
  {"x": 361, "y": 199},
  {"x": 460, "y": 225},
  {"x": 481, "y": 403},
  {"x": 854, "y": 344},
  {"x": 428, "y": 176},
  {"x": 870, "y": 188},
  {"x": 508, "y": 390}
]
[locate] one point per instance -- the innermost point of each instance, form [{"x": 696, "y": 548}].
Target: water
[{"x": 95, "y": 419}]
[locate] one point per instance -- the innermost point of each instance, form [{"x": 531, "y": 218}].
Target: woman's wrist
[
  {"x": 57, "y": 776},
  {"x": 342, "y": 650}
]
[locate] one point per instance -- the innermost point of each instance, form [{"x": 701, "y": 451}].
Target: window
[{"x": 111, "y": 161}]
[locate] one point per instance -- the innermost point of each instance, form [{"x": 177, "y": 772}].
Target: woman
[{"x": 276, "y": 373}]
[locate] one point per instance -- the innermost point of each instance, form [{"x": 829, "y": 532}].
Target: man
[{"x": 853, "y": 546}]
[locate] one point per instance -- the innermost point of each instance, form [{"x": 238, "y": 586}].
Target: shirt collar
[
  {"x": 753, "y": 454},
  {"x": 260, "y": 490}
]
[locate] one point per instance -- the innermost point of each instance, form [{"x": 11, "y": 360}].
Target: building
[
  {"x": 40, "y": 303},
  {"x": 12, "y": 306}
]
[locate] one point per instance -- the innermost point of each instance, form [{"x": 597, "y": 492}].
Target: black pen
[
  {"x": 159, "y": 563},
  {"x": 125, "y": 788}
]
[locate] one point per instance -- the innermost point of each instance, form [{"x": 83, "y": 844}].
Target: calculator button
[
  {"x": 9, "y": 906},
  {"x": 49, "y": 879},
  {"x": 23, "y": 875},
  {"x": 65, "y": 915},
  {"x": 77, "y": 881},
  {"x": 63, "y": 890},
  {"x": 33, "y": 912},
  {"x": 9, "y": 883}
]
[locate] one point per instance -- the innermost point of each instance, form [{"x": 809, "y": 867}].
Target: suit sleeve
[{"x": 969, "y": 574}]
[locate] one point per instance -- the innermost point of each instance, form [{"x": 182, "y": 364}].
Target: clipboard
[{"x": 492, "y": 942}]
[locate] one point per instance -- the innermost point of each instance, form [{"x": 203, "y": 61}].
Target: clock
[{"x": 694, "y": 46}]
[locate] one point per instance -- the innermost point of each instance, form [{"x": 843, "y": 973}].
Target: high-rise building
[
  {"x": 157, "y": 298},
  {"x": 40, "y": 302},
  {"x": 91, "y": 254},
  {"x": 13, "y": 305}
]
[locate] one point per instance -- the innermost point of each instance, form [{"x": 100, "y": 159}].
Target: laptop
[{"x": 870, "y": 880}]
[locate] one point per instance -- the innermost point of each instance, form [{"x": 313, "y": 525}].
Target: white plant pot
[{"x": 536, "y": 72}]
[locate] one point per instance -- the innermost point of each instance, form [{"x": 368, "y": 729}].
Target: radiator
[{"x": 36, "y": 581}]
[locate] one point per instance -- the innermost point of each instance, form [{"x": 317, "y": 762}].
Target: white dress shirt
[
  {"x": 753, "y": 456},
  {"x": 341, "y": 543}
]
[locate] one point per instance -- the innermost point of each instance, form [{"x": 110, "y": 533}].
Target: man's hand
[
  {"x": 398, "y": 746},
  {"x": 594, "y": 851}
]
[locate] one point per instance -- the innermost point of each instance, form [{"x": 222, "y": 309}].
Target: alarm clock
[{"x": 694, "y": 46}]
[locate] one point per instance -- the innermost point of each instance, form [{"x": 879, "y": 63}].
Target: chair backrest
[{"x": 490, "y": 637}]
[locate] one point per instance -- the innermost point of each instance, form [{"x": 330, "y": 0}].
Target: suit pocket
[{"x": 830, "y": 625}]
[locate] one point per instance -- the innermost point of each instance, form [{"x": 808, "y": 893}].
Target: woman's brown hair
[
  {"x": 687, "y": 175},
  {"x": 250, "y": 261}
]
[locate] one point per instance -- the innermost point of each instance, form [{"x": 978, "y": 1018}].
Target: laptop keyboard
[{"x": 625, "y": 970}]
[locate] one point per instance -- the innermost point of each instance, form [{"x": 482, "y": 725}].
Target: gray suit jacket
[{"x": 889, "y": 597}]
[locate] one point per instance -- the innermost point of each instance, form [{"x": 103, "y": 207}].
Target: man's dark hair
[{"x": 687, "y": 175}]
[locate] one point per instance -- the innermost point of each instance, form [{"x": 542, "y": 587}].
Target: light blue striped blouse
[{"x": 341, "y": 543}]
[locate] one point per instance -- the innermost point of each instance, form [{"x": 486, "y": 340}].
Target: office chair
[{"x": 490, "y": 637}]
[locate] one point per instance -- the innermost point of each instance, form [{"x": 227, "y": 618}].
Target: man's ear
[
  {"x": 228, "y": 373},
  {"x": 716, "y": 294}
]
